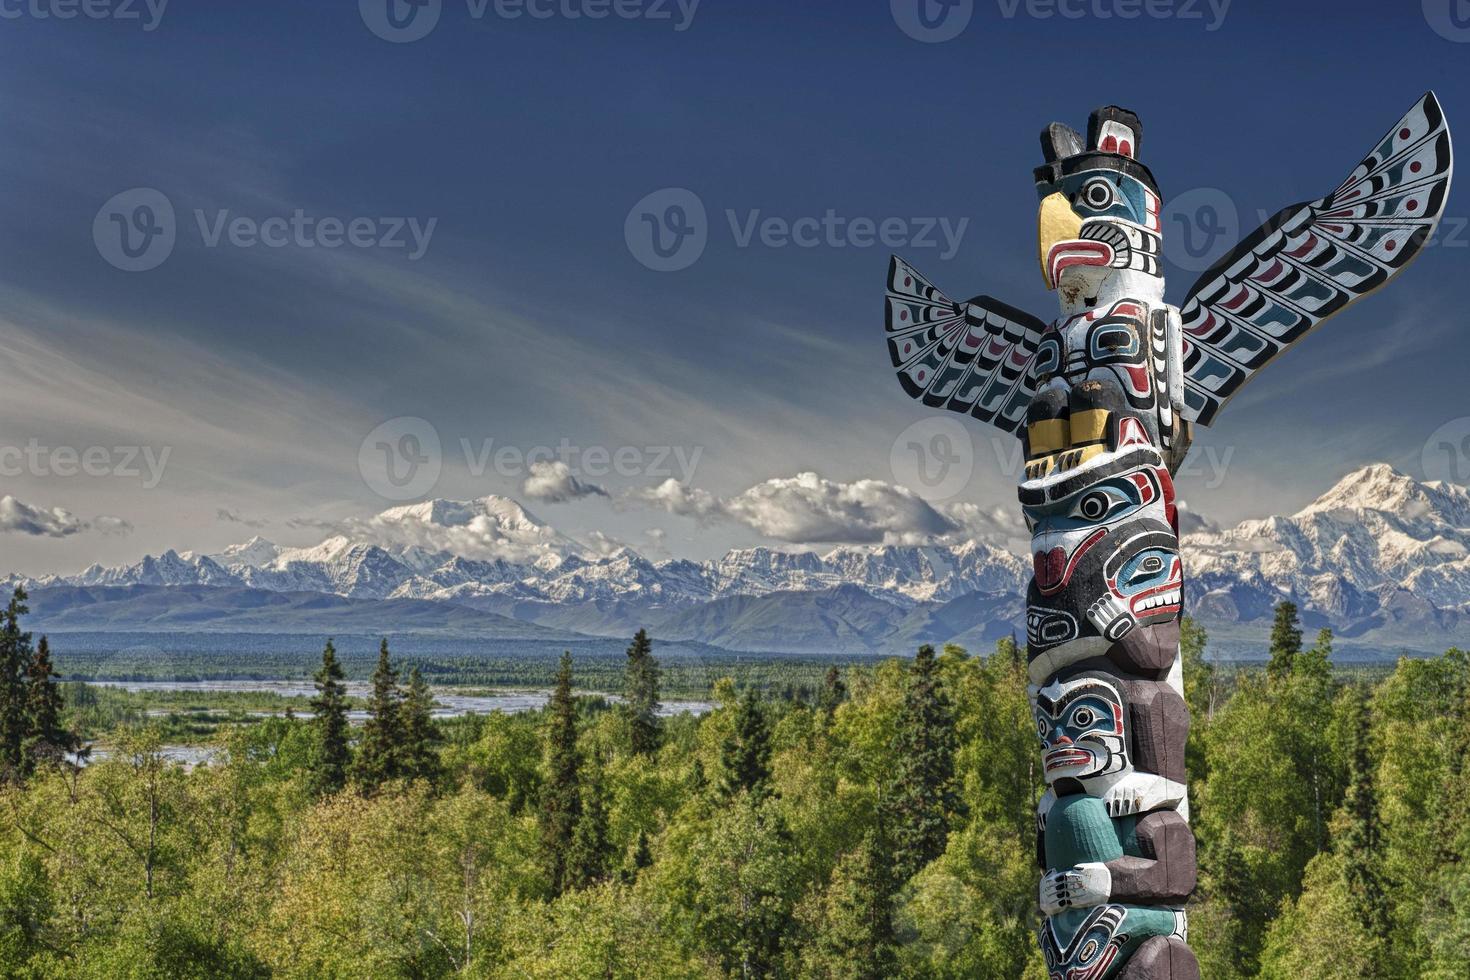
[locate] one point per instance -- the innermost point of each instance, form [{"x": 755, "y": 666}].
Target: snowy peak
[
  {"x": 255, "y": 553},
  {"x": 501, "y": 511},
  {"x": 1380, "y": 487},
  {"x": 1376, "y": 533}
]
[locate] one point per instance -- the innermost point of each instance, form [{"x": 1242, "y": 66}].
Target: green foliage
[
  {"x": 380, "y": 754},
  {"x": 561, "y": 795},
  {"x": 746, "y": 754},
  {"x": 329, "y": 710},
  {"x": 767, "y": 838},
  {"x": 1286, "y": 640},
  {"x": 923, "y": 796},
  {"x": 640, "y": 690},
  {"x": 420, "y": 748},
  {"x": 15, "y": 657}
]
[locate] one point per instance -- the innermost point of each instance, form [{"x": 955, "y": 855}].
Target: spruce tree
[
  {"x": 1361, "y": 842},
  {"x": 1286, "y": 640},
  {"x": 640, "y": 689},
  {"x": 561, "y": 800},
  {"x": 746, "y": 754},
  {"x": 587, "y": 863},
  {"x": 15, "y": 658},
  {"x": 46, "y": 741},
  {"x": 329, "y": 718},
  {"x": 834, "y": 692},
  {"x": 420, "y": 737},
  {"x": 923, "y": 794},
  {"x": 380, "y": 754},
  {"x": 642, "y": 854},
  {"x": 856, "y": 935}
]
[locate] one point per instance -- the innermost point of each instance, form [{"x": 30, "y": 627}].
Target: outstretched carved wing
[
  {"x": 1312, "y": 260},
  {"x": 965, "y": 357}
]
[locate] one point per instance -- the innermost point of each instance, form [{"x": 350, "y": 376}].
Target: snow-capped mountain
[
  {"x": 365, "y": 562},
  {"x": 1376, "y": 549},
  {"x": 1380, "y": 557}
]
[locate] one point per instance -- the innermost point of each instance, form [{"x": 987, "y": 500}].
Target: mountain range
[{"x": 1382, "y": 559}]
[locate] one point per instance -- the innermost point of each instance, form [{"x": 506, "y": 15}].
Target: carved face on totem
[
  {"x": 1105, "y": 555},
  {"x": 1099, "y": 217},
  {"x": 1082, "y": 724}
]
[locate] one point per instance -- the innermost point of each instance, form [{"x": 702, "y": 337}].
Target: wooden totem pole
[{"x": 1103, "y": 399}]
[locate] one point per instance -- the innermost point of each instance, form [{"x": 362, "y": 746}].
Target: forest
[{"x": 875, "y": 823}]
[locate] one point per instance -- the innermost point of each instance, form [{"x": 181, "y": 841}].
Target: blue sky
[{"x": 528, "y": 320}]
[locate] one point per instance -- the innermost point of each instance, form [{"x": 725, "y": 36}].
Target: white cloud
[
  {"x": 19, "y": 517},
  {"x": 807, "y": 509},
  {"x": 682, "y": 500},
  {"x": 552, "y": 481},
  {"x": 602, "y": 544}
]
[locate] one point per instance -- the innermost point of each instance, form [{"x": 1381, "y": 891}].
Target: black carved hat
[{"x": 1114, "y": 138}]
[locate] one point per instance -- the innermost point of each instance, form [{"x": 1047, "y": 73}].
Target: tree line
[{"x": 879, "y": 824}]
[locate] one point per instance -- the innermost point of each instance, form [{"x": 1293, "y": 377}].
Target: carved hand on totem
[{"x": 1084, "y": 885}]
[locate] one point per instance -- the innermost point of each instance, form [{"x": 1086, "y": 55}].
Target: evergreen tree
[
  {"x": 642, "y": 854},
  {"x": 15, "y": 657},
  {"x": 746, "y": 754},
  {"x": 329, "y": 717},
  {"x": 834, "y": 692},
  {"x": 923, "y": 793},
  {"x": 380, "y": 754},
  {"x": 640, "y": 689},
  {"x": 561, "y": 799},
  {"x": 698, "y": 781},
  {"x": 46, "y": 741},
  {"x": 1286, "y": 640},
  {"x": 587, "y": 863},
  {"x": 1361, "y": 844},
  {"x": 855, "y": 936},
  {"x": 420, "y": 736},
  {"x": 1315, "y": 663}
]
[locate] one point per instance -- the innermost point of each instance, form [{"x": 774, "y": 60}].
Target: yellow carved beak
[{"x": 1057, "y": 222}]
